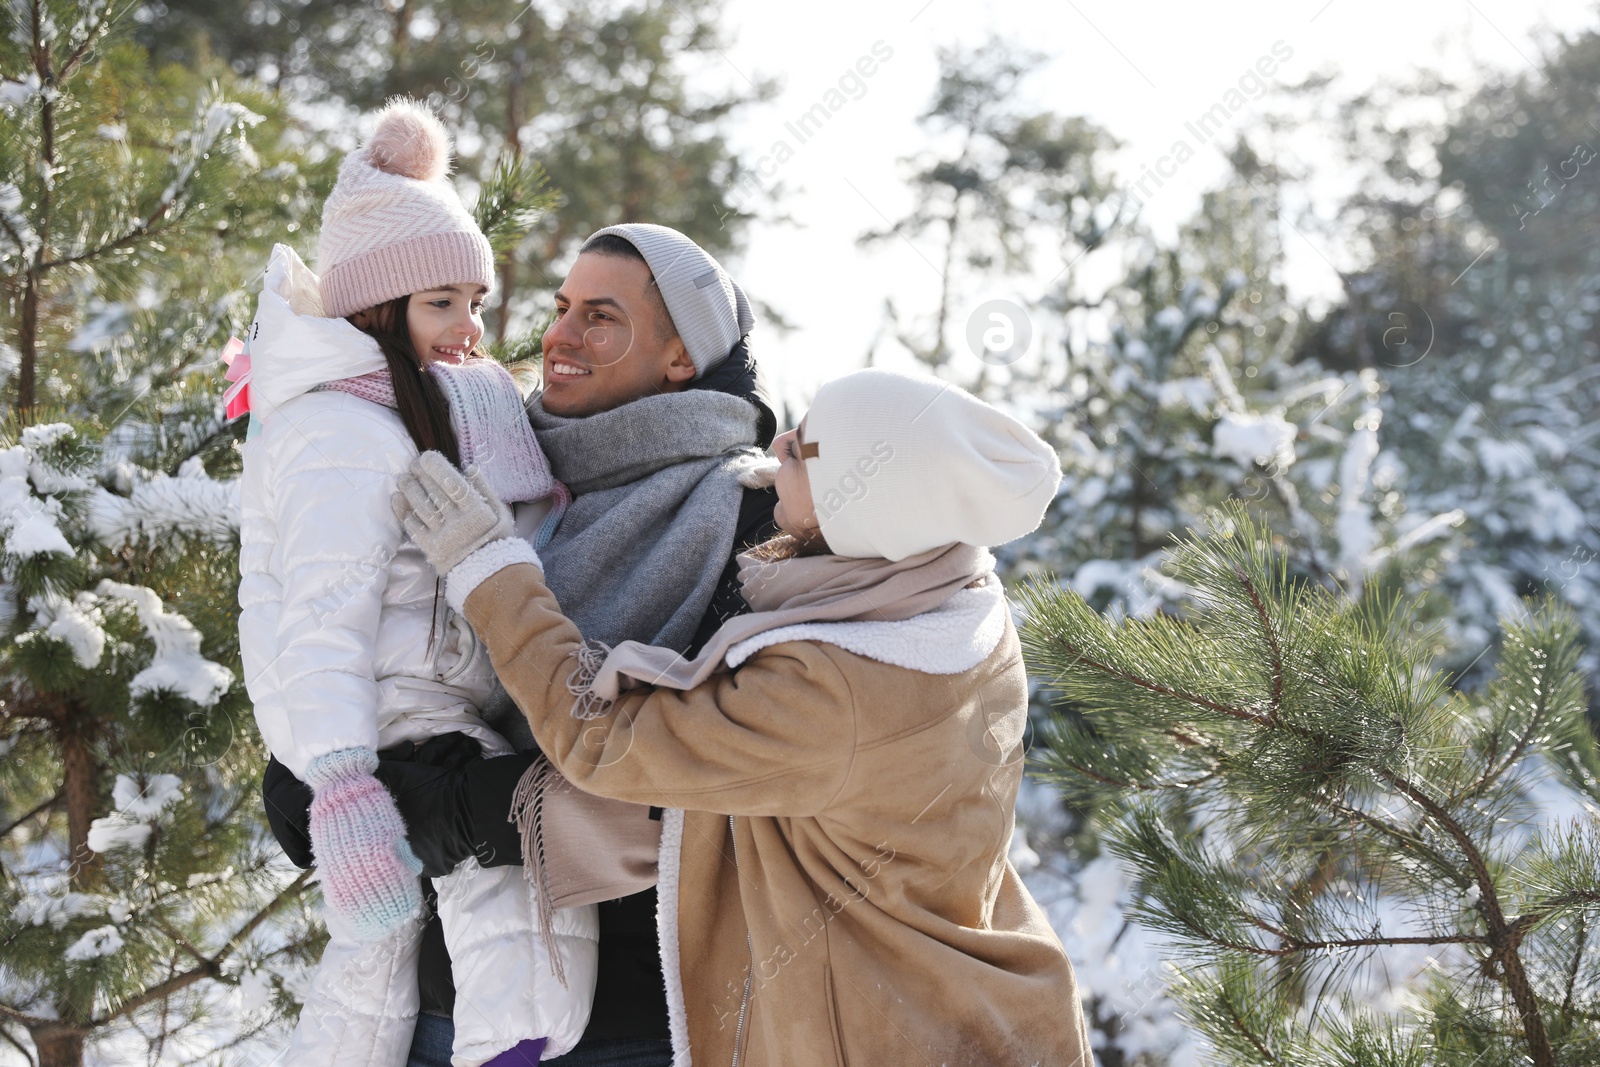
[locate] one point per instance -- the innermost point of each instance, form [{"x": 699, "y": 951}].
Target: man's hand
[
  {"x": 448, "y": 514},
  {"x": 455, "y": 803}
]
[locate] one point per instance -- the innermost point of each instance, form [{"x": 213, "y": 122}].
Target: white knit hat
[
  {"x": 393, "y": 225},
  {"x": 902, "y": 463},
  {"x": 707, "y": 307}
]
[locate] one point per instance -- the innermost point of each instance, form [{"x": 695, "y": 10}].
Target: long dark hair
[{"x": 423, "y": 408}]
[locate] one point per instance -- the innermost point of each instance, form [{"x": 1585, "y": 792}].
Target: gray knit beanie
[{"x": 708, "y": 308}]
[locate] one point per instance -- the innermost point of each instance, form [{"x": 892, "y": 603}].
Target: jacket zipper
[
  {"x": 469, "y": 652},
  {"x": 750, "y": 955}
]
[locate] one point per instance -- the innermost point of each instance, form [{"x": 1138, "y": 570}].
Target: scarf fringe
[
  {"x": 591, "y": 656},
  {"x": 527, "y": 811}
]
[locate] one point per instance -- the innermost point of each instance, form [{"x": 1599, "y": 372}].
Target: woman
[
  {"x": 346, "y": 643},
  {"x": 841, "y": 765}
]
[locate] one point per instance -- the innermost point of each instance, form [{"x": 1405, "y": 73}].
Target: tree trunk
[
  {"x": 27, "y": 343},
  {"x": 513, "y": 134},
  {"x": 401, "y": 44},
  {"x": 80, "y": 792},
  {"x": 59, "y": 1047},
  {"x": 28, "y": 329}
]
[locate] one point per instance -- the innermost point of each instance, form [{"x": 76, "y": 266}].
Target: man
[{"x": 650, "y": 415}]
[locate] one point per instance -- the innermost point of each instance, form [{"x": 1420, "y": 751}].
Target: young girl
[
  {"x": 347, "y": 644},
  {"x": 840, "y": 766}
]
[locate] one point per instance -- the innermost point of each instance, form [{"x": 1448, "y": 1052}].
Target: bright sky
[{"x": 1141, "y": 70}]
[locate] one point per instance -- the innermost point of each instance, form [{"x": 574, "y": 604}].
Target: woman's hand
[{"x": 448, "y": 514}]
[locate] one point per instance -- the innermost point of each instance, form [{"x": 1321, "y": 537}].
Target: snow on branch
[
  {"x": 177, "y": 665},
  {"x": 138, "y": 807},
  {"x": 221, "y": 117},
  {"x": 162, "y": 506},
  {"x": 75, "y": 622}
]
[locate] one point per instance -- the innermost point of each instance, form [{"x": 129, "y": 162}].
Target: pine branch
[
  {"x": 181, "y": 941},
  {"x": 41, "y": 807},
  {"x": 1525, "y": 922},
  {"x": 142, "y": 229},
  {"x": 1542, "y": 688},
  {"x": 1079, "y": 656},
  {"x": 1241, "y": 1027},
  {"x": 175, "y": 984},
  {"x": 1143, "y": 787},
  {"x": 1272, "y": 643},
  {"x": 1572, "y": 968},
  {"x": 211, "y": 967},
  {"x": 1500, "y": 939},
  {"x": 14, "y": 1043},
  {"x": 1293, "y": 946},
  {"x": 89, "y": 37},
  {"x": 1409, "y": 841},
  {"x": 31, "y": 1022}
]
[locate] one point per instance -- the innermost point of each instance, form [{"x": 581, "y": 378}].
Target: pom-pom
[{"x": 409, "y": 141}]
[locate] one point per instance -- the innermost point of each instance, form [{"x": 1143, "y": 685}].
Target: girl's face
[
  {"x": 795, "y": 514},
  {"x": 447, "y": 322}
]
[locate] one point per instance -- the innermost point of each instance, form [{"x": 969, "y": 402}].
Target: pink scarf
[{"x": 491, "y": 427}]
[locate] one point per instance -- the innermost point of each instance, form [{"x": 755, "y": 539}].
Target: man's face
[{"x": 604, "y": 348}]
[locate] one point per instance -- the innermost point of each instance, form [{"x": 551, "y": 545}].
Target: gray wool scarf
[{"x": 656, "y": 489}]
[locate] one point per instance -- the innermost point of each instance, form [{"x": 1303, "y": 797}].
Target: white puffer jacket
[
  {"x": 347, "y": 640},
  {"x": 343, "y": 628}
]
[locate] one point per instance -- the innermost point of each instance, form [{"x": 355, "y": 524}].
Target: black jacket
[{"x": 630, "y": 994}]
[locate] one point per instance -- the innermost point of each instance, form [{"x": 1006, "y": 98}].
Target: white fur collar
[
  {"x": 952, "y": 638},
  {"x": 667, "y": 933}
]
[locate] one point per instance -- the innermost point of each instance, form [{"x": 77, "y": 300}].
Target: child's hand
[{"x": 369, "y": 873}]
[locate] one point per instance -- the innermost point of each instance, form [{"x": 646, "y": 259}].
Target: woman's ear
[
  {"x": 681, "y": 368},
  {"x": 362, "y": 320}
]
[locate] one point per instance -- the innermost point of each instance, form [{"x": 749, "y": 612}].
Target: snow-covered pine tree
[
  {"x": 1305, "y": 799},
  {"x": 1172, "y": 392},
  {"x": 1479, "y": 302},
  {"x": 1190, "y": 395},
  {"x": 144, "y": 915}
]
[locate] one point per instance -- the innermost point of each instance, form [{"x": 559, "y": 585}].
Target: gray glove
[{"x": 448, "y": 514}]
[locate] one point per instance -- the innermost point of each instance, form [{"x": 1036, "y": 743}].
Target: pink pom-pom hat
[{"x": 393, "y": 224}]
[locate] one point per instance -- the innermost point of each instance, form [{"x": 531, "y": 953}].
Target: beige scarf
[
  {"x": 558, "y": 822},
  {"x": 785, "y": 592}
]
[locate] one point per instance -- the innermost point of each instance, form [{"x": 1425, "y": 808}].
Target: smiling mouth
[
  {"x": 560, "y": 368},
  {"x": 451, "y": 353}
]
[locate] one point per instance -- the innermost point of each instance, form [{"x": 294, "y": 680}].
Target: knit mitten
[{"x": 369, "y": 873}]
